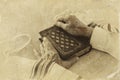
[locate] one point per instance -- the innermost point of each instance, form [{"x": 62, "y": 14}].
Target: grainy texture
[{"x": 32, "y": 16}]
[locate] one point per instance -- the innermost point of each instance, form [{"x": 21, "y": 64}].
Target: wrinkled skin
[{"x": 74, "y": 26}]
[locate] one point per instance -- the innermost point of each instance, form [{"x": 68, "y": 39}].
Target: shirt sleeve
[
  {"x": 57, "y": 72},
  {"x": 105, "y": 40}
]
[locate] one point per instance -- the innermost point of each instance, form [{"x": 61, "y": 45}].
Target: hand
[
  {"x": 74, "y": 26},
  {"x": 48, "y": 52}
]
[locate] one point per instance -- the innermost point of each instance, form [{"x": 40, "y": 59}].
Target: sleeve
[
  {"x": 105, "y": 40},
  {"x": 46, "y": 68},
  {"x": 57, "y": 72}
]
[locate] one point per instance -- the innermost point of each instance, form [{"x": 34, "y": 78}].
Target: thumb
[{"x": 62, "y": 25}]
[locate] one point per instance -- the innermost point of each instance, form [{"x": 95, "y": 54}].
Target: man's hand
[
  {"x": 74, "y": 26},
  {"x": 48, "y": 52}
]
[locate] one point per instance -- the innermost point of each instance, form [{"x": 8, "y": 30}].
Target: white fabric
[
  {"x": 17, "y": 64},
  {"x": 14, "y": 65},
  {"x": 101, "y": 63},
  {"x": 106, "y": 41},
  {"x": 46, "y": 69}
]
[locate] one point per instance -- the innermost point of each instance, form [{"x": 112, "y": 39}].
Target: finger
[
  {"x": 42, "y": 51},
  {"x": 66, "y": 18},
  {"x": 47, "y": 44},
  {"x": 63, "y": 19},
  {"x": 62, "y": 25},
  {"x": 48, "y": 47}
]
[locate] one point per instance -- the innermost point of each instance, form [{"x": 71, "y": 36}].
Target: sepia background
[{"x": 32, "y": 16}]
